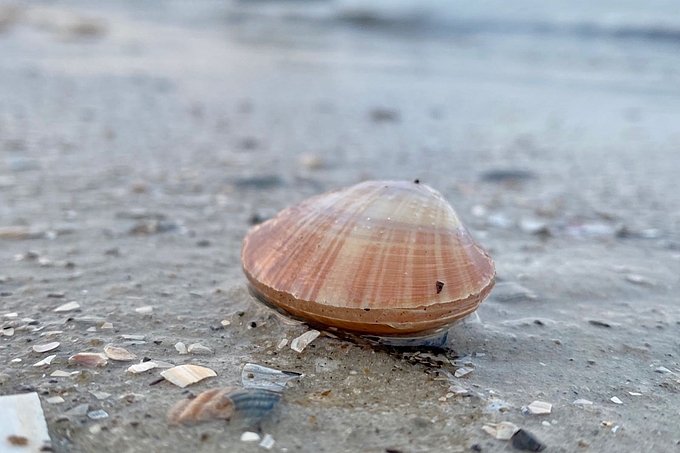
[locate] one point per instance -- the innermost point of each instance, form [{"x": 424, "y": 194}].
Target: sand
[{"x": 138, "y": 147}]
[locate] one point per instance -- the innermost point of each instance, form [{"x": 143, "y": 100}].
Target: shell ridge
[{"x": 338, "y": 242}]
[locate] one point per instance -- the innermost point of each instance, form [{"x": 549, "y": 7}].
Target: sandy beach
[{"x": 139, "y": 144}]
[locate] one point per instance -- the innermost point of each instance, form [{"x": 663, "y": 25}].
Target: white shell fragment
[
  {"x": 118, "y": 354},
  {"x": 46, "y": 361},
  {"x": 8, "y": 331},
  {"x": 181, "y": 348},
  {"x": 69, "y": 306},
  {"x": 23, "y": 418},
  {"x": 616, "y": 400},
  {"x": 198, "y": 348},
  {"x": 46, "y": 347},
  {"x": 55, "y": 400},
  {"x": 184, "y": 375},
  {"x": 250, "y": 436},
  {"x": 142, "y": 367},
  {"x": 258, "y": 376},
  {"x": 583, "y": 402},
  {"x": 539, "y": 408},
  {"x": 267, "y": 442},
  {"x": 300, "y": 343},
  {"x": 501, "y": 431},
  {"x": 463, "y": 371},
  {"x": 88, "y": 359},
  {"x": 144, "y": 310}
]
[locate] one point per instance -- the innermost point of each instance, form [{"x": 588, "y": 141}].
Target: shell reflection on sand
[{"x": 245, "y": 406}]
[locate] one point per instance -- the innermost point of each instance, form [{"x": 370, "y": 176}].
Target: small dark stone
[
  {"x": 5, "y": 293},
  {"x": 416, "y": 181},
  {"x": 597, "y": 323},
  {"x": 440, "y": 286},
  {"x": 522, "y": 440},
  {"x": 476, "y": 447},
  {"x": 259, "y": 182},
  {"x": 203, "y": 243},
  {"x": 367, "y": 309},
  {"x": 392, "y": 450},
  {"x": 383, "y": 115},
  {"x": 253, "y": 324},
  {"x": 507, "y": 175},
  {"x": 157, "y": 381}
]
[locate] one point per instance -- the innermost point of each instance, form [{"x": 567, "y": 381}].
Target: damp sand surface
[{"x": 137, "y": 146}]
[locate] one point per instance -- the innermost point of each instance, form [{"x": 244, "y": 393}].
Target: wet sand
[{"x": 135, "y": 153}]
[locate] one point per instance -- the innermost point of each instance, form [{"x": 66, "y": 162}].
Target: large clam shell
[{"x": 380, "y": 257}]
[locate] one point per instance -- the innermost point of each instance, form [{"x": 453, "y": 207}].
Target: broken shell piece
[
  {"x": 249, "y": 406},
  {"x": 69, "y": 306},
  {"x": 616, "y": 400},
  {"x": 46, "y": 361},
  {"x": 582, "y": 402},
  {"x": 88, "y": 359},
  {"x": 538, "y": 408},
  {"x": 258, "y": 376},
  {"x": 326, "y": 259},
  {"x": 46, "y": 347},
  {"x": 8, "y": 331},
  {"x": 55, "y": 400},
  {"x": 107, "y": 326},
  {"x": 61, "y": 373},
  {"x": 118, "y": 354},
  {"x": 24, "y": 419},
  {"x": 267, "y": 442},
  {"x": 463, "y": 371},
  {"x": 142, "y": 367},
  {"x": 300, "y": 343},
  {"x": 184, "y": 375},
  {"x": 144, "y": 310},
  {"x": 209, "y": 405},
  {"x": 198, "y": 348},
  {"x": 501, "y": 431}
]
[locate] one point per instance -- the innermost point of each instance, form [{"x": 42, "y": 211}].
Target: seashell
[
  {"x": 246, "y": 405},
  {"x": 142, "y": 367},
  {"x": 184, "y": 375},
  {"x": 89, "y": 359},
  {"x": 262, "y": 377},
  {"x": 380, "y": 257},
  {"x": 118, "y": 354},
  {"x": 46, "y": 347}
]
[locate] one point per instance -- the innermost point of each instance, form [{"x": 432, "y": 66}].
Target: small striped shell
[
  {"x": 248, "y": 406},
  {"x": 380, "y": 257}
]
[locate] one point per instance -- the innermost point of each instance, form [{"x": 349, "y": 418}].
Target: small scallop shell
[
  {"x": 248, "y": 406},
  {"x": 380, "y": 257}
]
